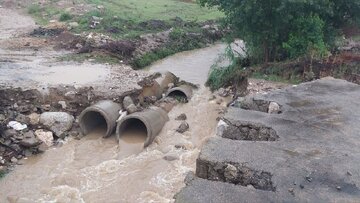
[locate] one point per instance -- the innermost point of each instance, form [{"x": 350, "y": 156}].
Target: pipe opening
[
  {"x": 93, "y": 121},
  {"x": 133, "y": 130},
  {"x": 179, "y": 96}
]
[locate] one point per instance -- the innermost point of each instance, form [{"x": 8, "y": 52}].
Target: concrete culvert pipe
[
  {"x": 165, "y": 79},
  {"x": 183, "y": 91},
  {"x": 150, "y": 121},
  {"x": 102, "y": 114}
]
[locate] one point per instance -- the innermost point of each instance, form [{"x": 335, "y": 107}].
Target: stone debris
[
  {"x": 181, "y": 117},
  {"x": 58, "y": 122},
  {"x": 184, "y": 126},
  {"x": 45, "y": 136},
  {"x": 34, "y": 118},
  {"x": 29, "y": 140},
  {"x": 274, "y": 108}
]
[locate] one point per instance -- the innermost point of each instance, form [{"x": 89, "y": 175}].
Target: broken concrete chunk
[
  {"x": 274, "y": 108},
  {"x": 58, "y": 122},
  {"x": 34, "y": 118},
  {"x": 45, "y": 136}
]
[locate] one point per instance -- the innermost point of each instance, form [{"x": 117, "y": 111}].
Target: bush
[
  {"x": 306, "y": 36},
  {"x": 177, "y": 34},
  {"x": 65, "y": 17},
  {"x": 271, "y": 29},
  {"x": 220, "y": 76}
]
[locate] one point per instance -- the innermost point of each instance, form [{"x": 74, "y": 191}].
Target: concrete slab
[{"x": 308, "y": 153}]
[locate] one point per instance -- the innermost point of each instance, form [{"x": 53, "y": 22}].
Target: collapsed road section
[{"x": 312, "y": 156}]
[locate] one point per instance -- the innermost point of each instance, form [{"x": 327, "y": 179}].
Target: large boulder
[{"x": 58, "y": 122}]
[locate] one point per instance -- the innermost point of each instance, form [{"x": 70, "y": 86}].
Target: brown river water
[{"x": 95, "y": 169}]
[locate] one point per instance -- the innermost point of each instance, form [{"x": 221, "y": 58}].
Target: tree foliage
[{"x": 278, "y": 29}]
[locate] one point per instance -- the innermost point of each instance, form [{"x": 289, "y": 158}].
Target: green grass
[
  {"x": 143, "y": 10},
  {"x": 34, "y": 9},
  {"x": 42, "y": 14}
]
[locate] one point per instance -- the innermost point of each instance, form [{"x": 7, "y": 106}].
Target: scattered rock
[
  {"x": 63, "y": 104},
  {"x": 222, "y": 92},
  {"x": 181, "y": 117},
  {"x": 221, "y": 126},
  {"x": 131, "y": 109},
  {"x": 21, "y": 118},
  {"x": 29, "y": 140},
  {"x": 183, "y": 144},
  {"x": 45, "y": 136},
  {"x": 127, "y": 102},
  {"x": 13, "y": 160},
  {"x": 171, "y": 85},
  {"x": 58, "y": 122},
  {"x": 292, "y": 191},
  {"x": 219, "y": 101},
  {"x": 171, "y": 156},
  {"x": 42, "y": 147},
  {"x": 230, "y": 172},
  {"x": 16, "y": 125},
  {"x": 274, "y": 108},
  {"x": 46, "y": 107},
  {"x": 9, "y": 133},
  {"x": 27, "y": 153},
  {"x": 184, "y": 126},
  {"x": 2, "y": 117},
  {"x": 70, "y": 95},
  {"x": 338, "y": 188},
  {"x": 34, "y": 118}
]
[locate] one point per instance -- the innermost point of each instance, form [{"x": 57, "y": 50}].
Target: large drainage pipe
[
  {"x": 150, "y": 120},
  {"x": 184, "y": 91},
  {"x": 165, "y": 79},
  {"x": 102, "y": 113}
]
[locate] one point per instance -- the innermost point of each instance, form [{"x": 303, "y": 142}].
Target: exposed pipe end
[
  {"x": 102, "y": 113},
  {"x": 183, "y": 91},
  {"x": 151, "y": 121}
]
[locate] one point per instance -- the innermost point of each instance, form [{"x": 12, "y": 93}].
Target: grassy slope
[{"x": 143, "y": 10}]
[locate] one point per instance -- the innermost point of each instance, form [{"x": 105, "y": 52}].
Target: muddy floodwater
[{"x": 95, "y": 169}]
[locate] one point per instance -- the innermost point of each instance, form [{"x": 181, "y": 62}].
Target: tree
[{"x": 270, "y": 28}]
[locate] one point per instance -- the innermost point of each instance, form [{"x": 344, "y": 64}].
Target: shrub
[{"x": 65, "y": 17}]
